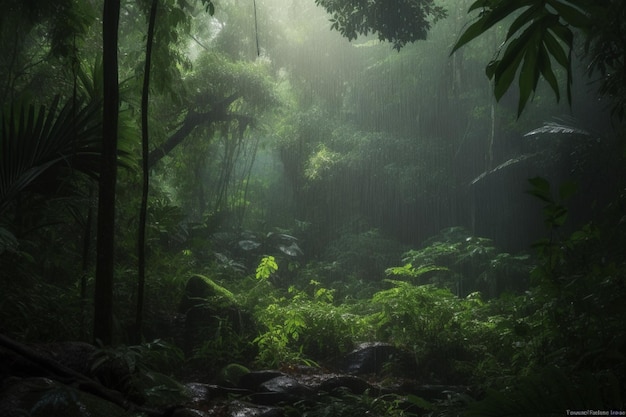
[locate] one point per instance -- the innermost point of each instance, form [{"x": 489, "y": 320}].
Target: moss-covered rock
[{"x": 231, "y": 374}]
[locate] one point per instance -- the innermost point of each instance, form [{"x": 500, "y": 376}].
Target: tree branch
[
  {"x": 217, "y": 114},
  {"x": 65, "y": 375}
]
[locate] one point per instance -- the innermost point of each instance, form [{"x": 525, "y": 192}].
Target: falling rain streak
[{"x": 386, "y": 208}]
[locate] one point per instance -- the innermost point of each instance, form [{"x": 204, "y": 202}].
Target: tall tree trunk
[
  {"x": 141, "y": 241},
  {"x": 103, "y": 298},
  {"x": 85, "y": 265}
]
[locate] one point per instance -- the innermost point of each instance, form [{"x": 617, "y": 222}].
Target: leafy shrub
[
  {"x": 427, "y": 320},
  {"x": 347, "y": 286},
  {"x": 302, "y": 326},
  {"x": 465, "y": 263},
  {"x": 565, "y": 336}
]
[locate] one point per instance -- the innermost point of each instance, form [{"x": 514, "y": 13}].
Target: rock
[
  {"x": 282, "y": 389},
  {"x": 230, "y": 375},
  {"x": 354, "y": 384},
  {"x": 252, "y": 380},
  {"x": 241, "y": 409},
  {"x": 189, "y": 412},
  {"x": 374, "y": 357},
  {"x": 200, "y": 394},
  {"x": 283, "y": 383},
  {"x": 208, "y": 309},
  {"x": 196, "y": 289}
]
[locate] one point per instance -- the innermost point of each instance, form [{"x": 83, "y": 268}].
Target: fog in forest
[
  {"x": 310, "y": 219},
  {"x": 407, "y": 143}
]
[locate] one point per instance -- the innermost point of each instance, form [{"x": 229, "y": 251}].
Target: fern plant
[
  {"x": 414, "y": 314},
  {"x": 302, "y": 327}
]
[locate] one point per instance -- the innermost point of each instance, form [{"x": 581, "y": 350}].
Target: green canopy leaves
[{"x": 400, "y": 21}]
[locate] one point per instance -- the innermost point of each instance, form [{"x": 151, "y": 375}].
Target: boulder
[
  {"x": 253, "y": 379},
  {"x": 282, "y": 389},
  {"x": 189, "y": 412},
  {"x": 242, "y": 409},
  {"x": 208, "y": 308},
  {"x": 352, "y": 383},
  {"x": 376, "y": 357},
  {"x": 230, "y": 375}
]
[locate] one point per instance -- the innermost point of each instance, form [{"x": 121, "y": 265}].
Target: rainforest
[{"x": 316, "y": 208}]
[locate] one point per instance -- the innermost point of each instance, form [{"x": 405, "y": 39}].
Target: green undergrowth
[
  {"x": 464, "y": 312},
  {"x": 567, "y": 316}
]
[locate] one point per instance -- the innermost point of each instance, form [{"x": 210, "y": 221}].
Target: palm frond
[
  {"x": 513, "y": 161},
  {"x": 34, "y": 140},
  {"x": 558, "y": 128}
]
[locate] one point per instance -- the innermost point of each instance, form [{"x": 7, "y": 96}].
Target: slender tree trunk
[
  {"x": 103, "y": 298},
  {"x": 85, "y": 266},
  {"x": 492, "y": 135},
  {"x": 246, "y": 181},
  {"x": 141, "y": 241}
]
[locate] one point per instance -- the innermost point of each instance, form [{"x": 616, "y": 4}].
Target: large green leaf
[
  {"x": 539, "y": 36},
  {"x": 540, "y": 189},
  {"x": 505, "y": 69},
  {"x": 545, "y": 65},
  {"x": 531, "y": 14},
  {"x": 488, "y": 18},
  {"x": 570, "y": 14},
  {"x": 529, "y": 75},
  {"x": 555, "y": 49}
]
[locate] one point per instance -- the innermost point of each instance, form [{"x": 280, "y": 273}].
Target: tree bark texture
[
  {"x": 103, "y": 297},
  {"x": 145, "y": 184}
]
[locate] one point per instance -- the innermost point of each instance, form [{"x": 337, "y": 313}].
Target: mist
[{"x": 318, "y": 208}]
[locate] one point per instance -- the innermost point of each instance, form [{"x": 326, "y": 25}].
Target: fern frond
[{"x": 556, "y": 128}]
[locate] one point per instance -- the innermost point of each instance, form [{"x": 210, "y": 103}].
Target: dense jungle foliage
[{"x": 289, "y": 178}]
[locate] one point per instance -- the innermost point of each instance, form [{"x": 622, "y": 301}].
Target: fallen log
[{"x": 61, "y": 373}]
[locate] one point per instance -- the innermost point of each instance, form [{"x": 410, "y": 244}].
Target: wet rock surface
[
  {"x": 376, "y": 357},
  {"x": 257, "y": 393}
]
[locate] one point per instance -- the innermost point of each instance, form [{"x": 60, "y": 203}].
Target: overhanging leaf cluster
[
  {"x": 397, "y": 21},
  {"x": 540, "y": 34}
]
